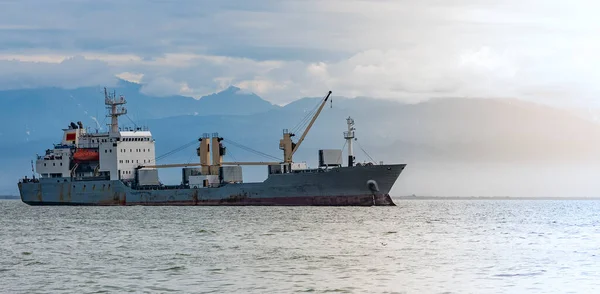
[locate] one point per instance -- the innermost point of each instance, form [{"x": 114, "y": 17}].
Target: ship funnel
[
  {"x": 80, "y": 124},
  {"x": 73, "y": 125}
]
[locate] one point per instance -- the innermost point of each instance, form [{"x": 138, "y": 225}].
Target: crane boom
[
  {"x": 312, "y": 121},
  {"x": 200, "y": 164}
]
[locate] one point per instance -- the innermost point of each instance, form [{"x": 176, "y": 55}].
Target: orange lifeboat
[{"x": 86, "y": 155}]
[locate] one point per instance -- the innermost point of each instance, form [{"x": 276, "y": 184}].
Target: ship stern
[{"x": 29, "y": 192}]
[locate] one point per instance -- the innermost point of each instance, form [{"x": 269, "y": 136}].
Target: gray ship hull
[{"x": 345, "y": 186}]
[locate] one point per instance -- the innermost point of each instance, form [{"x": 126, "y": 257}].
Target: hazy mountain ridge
[
  {"x": 39, "y": 113},
  {"x": 438, "y": 127}
]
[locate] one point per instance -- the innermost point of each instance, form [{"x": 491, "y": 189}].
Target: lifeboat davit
[{"x": 86, "y": 155}]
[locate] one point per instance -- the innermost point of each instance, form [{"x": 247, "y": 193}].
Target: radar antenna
[
  {"x": 115, "y": 109},
  {"x": 349, "y": 136}
]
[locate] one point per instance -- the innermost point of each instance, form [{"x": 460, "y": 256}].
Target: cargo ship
[{"x": 118, "y": 167}]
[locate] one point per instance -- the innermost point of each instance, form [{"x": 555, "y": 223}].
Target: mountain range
[{"x": 448, "y": 131}]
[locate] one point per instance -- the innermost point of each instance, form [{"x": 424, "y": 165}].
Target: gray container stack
[
  {"x": 189, "y": 171},
  {"x": 148, "y": 177},
  {"x": 231, "y": 174}
]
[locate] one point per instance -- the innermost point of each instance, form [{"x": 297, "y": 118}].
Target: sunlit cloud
[{"x": 544, "y": 51}]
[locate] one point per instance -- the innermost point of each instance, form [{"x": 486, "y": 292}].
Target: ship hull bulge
[{"x": 344, "y": 186}]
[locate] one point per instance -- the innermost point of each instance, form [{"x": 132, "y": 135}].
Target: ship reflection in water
[{"x": 419, "y": 246}]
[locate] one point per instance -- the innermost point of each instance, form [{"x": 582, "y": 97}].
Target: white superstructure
[
  {"x": 133, "y": 149},
  {"x": 113, "y": 155}
]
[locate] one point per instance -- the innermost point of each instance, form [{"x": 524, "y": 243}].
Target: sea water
[{"x": 419, "y": 246}]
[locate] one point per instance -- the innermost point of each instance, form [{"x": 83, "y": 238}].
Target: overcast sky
[{"x": 541, "y": 50}]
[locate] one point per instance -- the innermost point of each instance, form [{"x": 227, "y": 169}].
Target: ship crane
[
  {"x": 289, "y": 147},
  {"x": 206, "y": 165},
  {"x": 285, "y": 144}
]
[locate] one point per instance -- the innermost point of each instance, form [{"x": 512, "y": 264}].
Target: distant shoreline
[
  {"x": 9, "y": 197},
  {"x": 489, "y": 198}
]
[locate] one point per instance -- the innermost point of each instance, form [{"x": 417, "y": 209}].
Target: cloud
[
  {"x": 70, "y": 73},
  {"x": 282, "y": 50},
  {"x": 131, "y": 77}
]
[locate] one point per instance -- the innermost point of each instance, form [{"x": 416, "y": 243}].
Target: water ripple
[{"x": 461, "y": 246}]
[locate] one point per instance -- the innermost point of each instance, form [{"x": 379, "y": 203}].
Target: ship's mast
[
  {"x": 114, "y": 109},
  {"x": 349, "y": 136}
]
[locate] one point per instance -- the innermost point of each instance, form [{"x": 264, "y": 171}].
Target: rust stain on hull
[
  {"x": 342, "y": 187},
  {"x": 60, "y": 193},
  {"x": 39, "y": 193},
  {"x": 195, "y": 197},
  {"x": 361, "y": 200},
  {"x": 69, "y": 191}
]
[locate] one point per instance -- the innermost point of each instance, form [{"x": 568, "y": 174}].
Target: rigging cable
[
  {"x": 189, "y": 161},
  {"x": 231, "y": 154},
  {"x": 363, "y": 150},
  {"x": 309, "y": 117},
  {"x": 306, "y": 118},
  {"x": 340, "y": 158},
  {"x": 303, "y": 122},
  {"x": 251, "y": 150},
  {"x": 134, "y": 124},
  {"x": 176, "y": 150}
]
